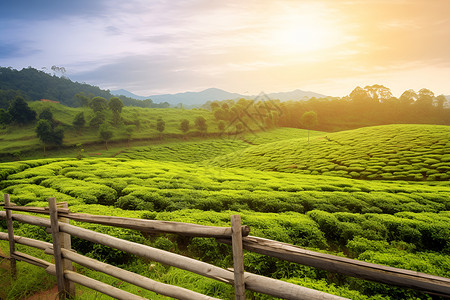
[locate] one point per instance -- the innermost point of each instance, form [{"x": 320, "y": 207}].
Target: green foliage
[
  {"x": 79, "y": 121},
  {"x": 115, "y": 104},
  {"x": 98, "y": 119},
  {"x": 20, "y": 112},
  {"x": 184, "y": 125},
  {"x": 105, "y": 134},
  {"x": 98, "y": 104},
  {"x": 200, "y": 124},
  {"x": 160, "y": 125},
  {"x": 400, "y": 223},
  {"x": 5, "y": 117},
  {"x": 309, "y": 119},
  {"x": 46, "y": 114},
  {"x": 47, "y": 134},
  {"x": 392, "y": 152}
]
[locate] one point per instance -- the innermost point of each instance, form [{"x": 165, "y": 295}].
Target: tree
[
  {"x": 98, "y": 119},
  {"x": 20, "y": 112},
  {"x": 425, "y": 98},
  {"x": 83, "y": 99},
  {"x": 115, "y": 104},
  {"x": 184, "y": 125},
  {"x": 160, "y": 125},
  {"x": 200, "y": 124},
  {"x": 98, "y": 104},
  {"x": 44, "y": 131},
  {"x": 359, "y": 95},
  {"x": 129, "y": 129},
  {"x": 424, "y": 103},
  {"x": 47, "y": 134},
  {"x": 309, "y": 120},
  {"x": 440, "y": 101},
  {"x": 408, "y": 97},
  {"x": 46, "y": 114},
  {"x": 105, "y": 134},
  {"x": 5, "y": 117},
  {"x": 221, "y": 126},
  {"x": 378, "y": 93},
  {"x": 79, "y": 122}
]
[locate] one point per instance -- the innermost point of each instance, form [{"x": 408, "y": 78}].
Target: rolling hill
[{"x": 402, "y": 152}]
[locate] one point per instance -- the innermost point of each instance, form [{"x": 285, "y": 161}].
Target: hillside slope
[
  {"x": 406, "y": 152},
  {"x": 200, "y": 150}
]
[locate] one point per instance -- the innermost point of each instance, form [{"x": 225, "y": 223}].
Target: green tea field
[
  {"x": 378, "y": 194},
  {"x": 401, "y": 152}
]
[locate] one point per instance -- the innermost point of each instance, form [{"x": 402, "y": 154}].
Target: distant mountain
[
  {"x": 126, "y": 93},
  {"x": 295, "y": 95},
  {"x": 212, "y": 94}
]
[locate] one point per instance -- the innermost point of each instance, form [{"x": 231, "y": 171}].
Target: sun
[{"x": 303, "y": 32}]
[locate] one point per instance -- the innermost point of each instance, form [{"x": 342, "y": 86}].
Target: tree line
[
  {"x": 368, "y": 106},
  {"x": 33, "y": 85},
  {"x": 106, "y": 114}
]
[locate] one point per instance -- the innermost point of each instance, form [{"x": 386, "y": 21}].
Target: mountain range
[{"x": 212, "y": 94}]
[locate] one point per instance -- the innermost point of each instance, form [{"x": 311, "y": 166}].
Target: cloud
[
  {"x": 112, "y": 30},
  {"x": 16, "y": 50},
  {"x": 171, "y": 46},
  {"x": 31, "y": 11}
]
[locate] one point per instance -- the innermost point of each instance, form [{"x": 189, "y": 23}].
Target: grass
[
  {"x": 23, "y": 138},
  {"x": 20, "y": 139}
]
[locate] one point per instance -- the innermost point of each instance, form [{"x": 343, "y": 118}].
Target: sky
[{"x": 158, "y": 47}]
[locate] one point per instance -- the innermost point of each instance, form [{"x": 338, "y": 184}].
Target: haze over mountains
[{"x": 211, "y": 94}]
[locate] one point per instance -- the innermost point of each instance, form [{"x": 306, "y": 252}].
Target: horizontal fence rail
[
  {"x": 238, "y": 277},
  {"x": 250, "y": 281},
  {"x": 355, "y": 268},
  {"x": 142, "y": 225}
]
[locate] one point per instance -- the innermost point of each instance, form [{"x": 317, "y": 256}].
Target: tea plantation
[
  {"x": 286, "y": 189},
  {"x": 405, "y": 152}
]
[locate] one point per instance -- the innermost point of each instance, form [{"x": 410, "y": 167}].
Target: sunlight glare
[{"x": 304, "y": 32}]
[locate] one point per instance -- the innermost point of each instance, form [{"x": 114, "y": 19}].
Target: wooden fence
[{"x": 236, "y": 235}]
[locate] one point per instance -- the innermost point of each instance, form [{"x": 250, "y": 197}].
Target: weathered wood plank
[
  {"x": 142, "y": 225},
  {"x": 31, "y": 259},
  {"x": 96, "y": 285},
  {"x": 9, "y": 225},
  {"x": 283, "y": 289},
  {"x": 157, "y": 226},
  {"x": 28, "y": 219},
  {"x": 359, "y": 269},
  {"x": 238, "y": 258},
  {"x": 57, "y": 248},
  {"x": 155, "y": 254},
  {"x": 26, "y": 241},
  {"x": 133, "y": 278}
]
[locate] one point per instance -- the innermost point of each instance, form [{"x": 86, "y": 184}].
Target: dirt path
[
  {"x": 45, "y": 295},
  {"x": 4, "y": 274},
  {"x": 4, "y": 263}
]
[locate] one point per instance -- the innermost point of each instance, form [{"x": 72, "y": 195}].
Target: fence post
[
  {"x": 238, "y": 257},
  {"x": 12, "y": 246},
  {"x": 57, "y": 247},
  {"x": 66, "y": 243}
]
